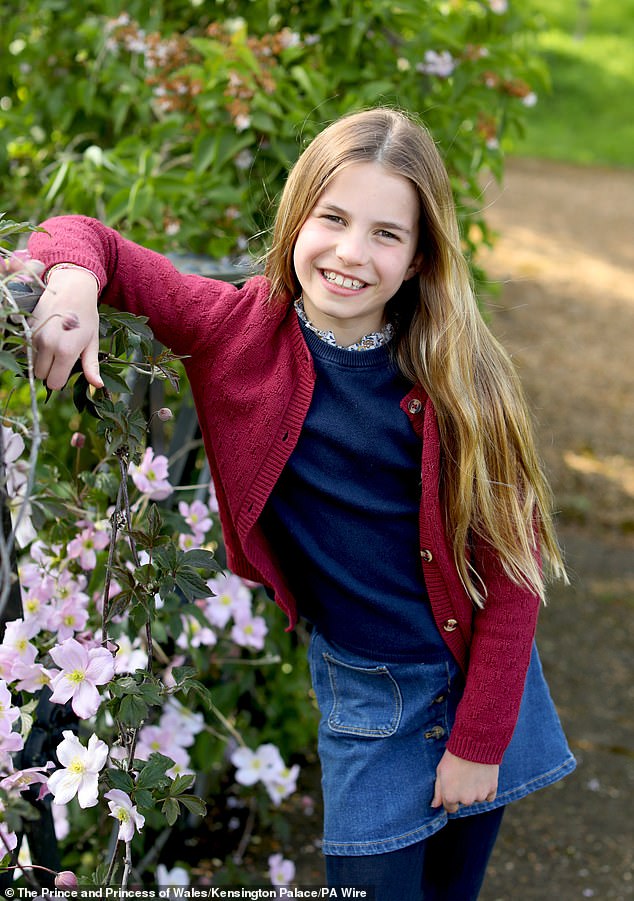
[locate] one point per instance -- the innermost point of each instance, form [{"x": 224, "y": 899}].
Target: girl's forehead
[{"x": 370, "y": 183}]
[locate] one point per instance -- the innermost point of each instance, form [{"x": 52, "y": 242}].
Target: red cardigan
[{"x": 252, "y": 378}]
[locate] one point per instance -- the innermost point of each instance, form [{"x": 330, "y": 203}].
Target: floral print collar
[{"x": 368, "y": 342}]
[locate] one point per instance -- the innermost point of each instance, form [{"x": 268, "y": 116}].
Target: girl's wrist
[{"x": 60, "y": 267}]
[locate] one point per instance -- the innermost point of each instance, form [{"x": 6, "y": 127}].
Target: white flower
[
  {"x": 281, "y": 871},
  {"x": 262, "y": 764},
  {"x": 122, "y": 809},
  {"x": 282, "y": 784},
  {"x": 242, "y": 122},
  {"x": 81, "y": 770},
  {"x": 441, "y": 64},
  {"x": 176, "y": 876}
]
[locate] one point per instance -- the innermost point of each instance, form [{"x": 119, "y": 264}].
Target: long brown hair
[{"x": 492, "y": 484}]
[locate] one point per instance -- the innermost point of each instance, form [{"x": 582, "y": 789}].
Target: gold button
[
  {"x": 415, "y": 406},
  {"x": 451, "y": 625},
  {"x": 435, "y": 732},
  {"x": 427, "y": 555}
]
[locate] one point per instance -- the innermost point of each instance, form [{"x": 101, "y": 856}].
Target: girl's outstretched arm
[
  {"x": 463, "y": 782},
  {"x": 65, "y": 326}
]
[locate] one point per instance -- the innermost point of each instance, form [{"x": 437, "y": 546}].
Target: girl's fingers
[
  {"x": 42, "y": 364},
  {"x": 90, "y": 365},
  {"x": 437, "y": 799}
]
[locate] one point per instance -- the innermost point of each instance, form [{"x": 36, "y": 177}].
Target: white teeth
[{"x": 342, "y": 281}]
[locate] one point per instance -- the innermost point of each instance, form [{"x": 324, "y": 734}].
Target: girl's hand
[
  {"x": 464, "y": 782},
  {"x": 65, "y": 327}
]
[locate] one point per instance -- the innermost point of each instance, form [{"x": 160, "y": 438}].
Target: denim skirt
[{"x": 383, "y": 730}]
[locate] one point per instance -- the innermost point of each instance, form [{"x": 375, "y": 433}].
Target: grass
[{"x": 588, "y": 46}]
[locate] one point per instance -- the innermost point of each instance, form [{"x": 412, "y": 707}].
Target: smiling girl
[{"x": 376, "y": 471}]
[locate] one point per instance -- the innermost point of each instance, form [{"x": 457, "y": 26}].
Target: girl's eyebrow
[{"x": 388, "y": 226}]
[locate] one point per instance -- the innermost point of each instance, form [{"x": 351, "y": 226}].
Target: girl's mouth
[{"x": 343, "y": 281}]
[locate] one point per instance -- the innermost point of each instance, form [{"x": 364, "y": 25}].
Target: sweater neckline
[{"x": 350, "y": 359}]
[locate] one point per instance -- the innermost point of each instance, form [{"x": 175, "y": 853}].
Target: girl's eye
[
  {"x": 331, "y": 217},
  {"x": 386, "y": 234}
]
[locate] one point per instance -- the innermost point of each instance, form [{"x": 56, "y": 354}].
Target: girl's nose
[{"x": 352, "y": 249}]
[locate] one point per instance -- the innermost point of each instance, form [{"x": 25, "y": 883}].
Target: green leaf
[
  {"x": 191, "y": 584},
  {"x": 181, "y": 783},
  {"x": 202, "y": 559},
  {"x": 195, "y": 805},
  {"x": 171, "y": 808},
  {"x": 121, "y": 780},
  {"x": 8, "y": 361},
  {"x": 113, "y": 381},
  {"x": 144, "y": 798},
  {"x": 132, "y": 711},
  {"x": 153, "y": 773}
]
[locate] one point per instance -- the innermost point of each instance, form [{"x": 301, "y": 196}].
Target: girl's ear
[{"x": 414, "y": 267}]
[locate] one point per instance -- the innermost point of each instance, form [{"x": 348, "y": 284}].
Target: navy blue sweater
[{"x": 343, "y": 517}]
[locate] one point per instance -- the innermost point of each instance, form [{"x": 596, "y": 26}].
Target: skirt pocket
[{"x": 366, "y": 701}]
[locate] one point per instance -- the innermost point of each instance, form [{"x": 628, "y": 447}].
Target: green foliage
[
  {"x": 585, "y": 116},
  {"x": 177, "y": 123}
]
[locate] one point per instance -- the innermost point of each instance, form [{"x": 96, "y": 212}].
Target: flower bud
[
  {"x": 66, "y": 879},
  {"x": 70, "y": 321},
  {"x": 164, "y": 414},
  {"x": 78, "y": 439}
]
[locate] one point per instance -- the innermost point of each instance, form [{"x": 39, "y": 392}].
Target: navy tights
[{"x": 448, "y": 866}]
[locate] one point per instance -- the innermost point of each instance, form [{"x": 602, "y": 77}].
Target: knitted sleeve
[
  {"x": 499, "y": 655},
  {"x": 183, "y": 310}
]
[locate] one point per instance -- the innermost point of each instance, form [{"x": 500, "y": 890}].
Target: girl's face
[{"x": 356, "y": 248}]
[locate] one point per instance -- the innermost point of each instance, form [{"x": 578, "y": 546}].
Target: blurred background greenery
[
  {"x": 177, "y": 121},
  {"x": 586, "y": 116}
]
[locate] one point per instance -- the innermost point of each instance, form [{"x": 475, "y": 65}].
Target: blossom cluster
[
  {"x": 229, "y": 606},
  {"x": 59, "y": 642},
  {"x": 174, "y": 733},
  {"x": 174, "y": 78}
]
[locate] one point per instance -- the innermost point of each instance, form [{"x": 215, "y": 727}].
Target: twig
[
  {"x": 248, "y": 832},
  {"x": 127, "y": 865}
]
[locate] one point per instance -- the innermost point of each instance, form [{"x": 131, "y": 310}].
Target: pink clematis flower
[
  {"x": 85, "y": 546},
  {"x": 82, "y": 670},
  {"x": 195, "y": 635},
  {"x": 37, "y": 610},
  {"x": 70, "y": 617},
  {"x": 184, "y": 724},
  {"x": 197, "y": 517},
  {"x": 281, "y": 871},
  {"x": 8, "y": 714},
  {"x": 151, "y": 476},
  {"x": 249, "y": 632},
  {"x": 20, "y": 780},
  {"x": 231, "y": 599},
  {"x": 16, "y": 646},
  {"x": 282, "y": 783},
  {"x": 8, "y": 839},
  {"x": 30, "y": 677}
]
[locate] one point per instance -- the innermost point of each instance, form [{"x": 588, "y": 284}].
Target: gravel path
[{"x": 566, "y": 312}]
